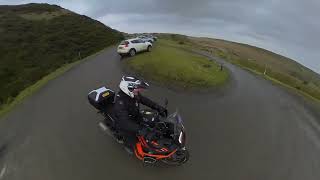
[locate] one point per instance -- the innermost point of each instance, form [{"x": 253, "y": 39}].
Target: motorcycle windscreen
[{"x": 176, "y": 120}]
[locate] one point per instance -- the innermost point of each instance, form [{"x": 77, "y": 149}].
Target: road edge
[
  {"x": 268, "y": 78},
  {"x": 277, "y": 82},
  {"x": 6, "y": 108}
]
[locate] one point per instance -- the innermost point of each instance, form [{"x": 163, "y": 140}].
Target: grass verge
[
  {"x": 271, "y": 66},
  {"x": 175, "y": 67},
  {"x": 275, "y": 81},
  {"x": 40, "y": 38},
  {"x": 5, "y": 108}
]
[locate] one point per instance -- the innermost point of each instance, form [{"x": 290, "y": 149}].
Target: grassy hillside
[
  {"x": 172, "y": 66},
  {"x": 36, "y": 39},
  {"x": 280, "y": 68}
]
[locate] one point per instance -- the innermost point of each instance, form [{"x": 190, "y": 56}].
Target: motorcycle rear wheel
[{"x": 179, "y": 158}]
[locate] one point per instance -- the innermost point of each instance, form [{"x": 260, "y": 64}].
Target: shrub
[{"x": 32, "y": 49}]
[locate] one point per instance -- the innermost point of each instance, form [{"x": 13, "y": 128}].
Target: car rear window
[{"x": 124, "y": 42}]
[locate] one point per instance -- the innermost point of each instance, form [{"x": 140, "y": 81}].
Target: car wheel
[
  {"x": 132, "y": 52},
  {"x": 149, "y": 48}
]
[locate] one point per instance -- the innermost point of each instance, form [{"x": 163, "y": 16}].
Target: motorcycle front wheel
[{"x": 179, "y": 158}]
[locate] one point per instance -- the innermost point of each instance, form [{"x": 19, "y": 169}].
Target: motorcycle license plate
[{"x": 105, "y": 94}]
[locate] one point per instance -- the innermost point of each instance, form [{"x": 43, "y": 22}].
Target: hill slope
[
  {"x": 36, "y": 39},
  {"x": 278, "y": 67}
]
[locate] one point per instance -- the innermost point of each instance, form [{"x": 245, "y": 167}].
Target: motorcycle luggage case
[{"x": 101, "y": 98}]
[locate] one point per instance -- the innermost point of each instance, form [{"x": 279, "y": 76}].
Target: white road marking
[{"x": 3, "y": 171}]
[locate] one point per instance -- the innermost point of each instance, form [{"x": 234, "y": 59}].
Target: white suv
[{"x": 132, "y": 46}]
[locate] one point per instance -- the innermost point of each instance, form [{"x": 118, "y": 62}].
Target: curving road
[{"x": 249, "y": 130}]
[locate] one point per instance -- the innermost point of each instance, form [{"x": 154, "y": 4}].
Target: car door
[
  {"x": 136, "y": 45},
  {"x": 143, "y": 45}
]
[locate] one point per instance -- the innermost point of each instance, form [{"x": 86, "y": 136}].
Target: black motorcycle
[{"x": 162, "y": 139}]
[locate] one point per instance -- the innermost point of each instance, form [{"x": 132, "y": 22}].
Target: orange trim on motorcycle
[{"x": 140, "y": 154}]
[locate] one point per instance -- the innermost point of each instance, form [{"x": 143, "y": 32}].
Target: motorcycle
[{"x": 162, "y": 139}]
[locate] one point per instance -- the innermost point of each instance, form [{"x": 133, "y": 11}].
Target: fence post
[{"x": 221, "y": 67}]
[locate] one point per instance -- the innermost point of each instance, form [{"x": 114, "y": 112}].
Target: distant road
[{"x": 251, "y": 130}]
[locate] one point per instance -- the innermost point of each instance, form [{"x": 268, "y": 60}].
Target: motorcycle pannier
[{"x": 101, "y": 97}]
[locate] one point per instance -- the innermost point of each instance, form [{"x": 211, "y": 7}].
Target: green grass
[
  {"x": 176, "y": 67},
  {"x": 282, "y": 70},
  {"x": 278, "y": 82},
  {"x": 40, "y": 38},
  {"x": 306, "y": 87},
  {"x": 5, "y": 108},
  {"x": 12, "y": 102},
  {"x": 44, "y": 15}
]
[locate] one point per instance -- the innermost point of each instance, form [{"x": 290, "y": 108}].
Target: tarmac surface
[{"x": 248, "y": 130}]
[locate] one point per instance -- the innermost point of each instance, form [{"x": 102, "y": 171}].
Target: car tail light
[{"x": 126, "y": 44}]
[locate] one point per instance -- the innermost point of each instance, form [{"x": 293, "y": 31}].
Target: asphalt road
[{"x": 249, "y": 130}]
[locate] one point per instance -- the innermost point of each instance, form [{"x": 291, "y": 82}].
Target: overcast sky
[{"x": 287, "y": 27}]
